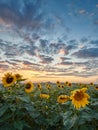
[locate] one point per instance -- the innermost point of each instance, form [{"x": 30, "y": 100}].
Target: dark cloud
[
  {"x": 72, "y": 42},
  {"x": 86, "y": 53},
  {"x": 73, "y": 63},
  {"x": 66, "y": 63},
  {"x": 94, "y": 42},
  {"x": 83, "y": 40},
  {"x": 52, "y": 48},
  {"x": 45, "y": 59},
  {"x": 35, "y": 36},
  {"x": 56, "y": 47},
  {"x": 4, "y": 67},
  {"x": 32, "y": 50},
  {"x": 30, "y": 63},
  {"x": 70, "y": 47},
  {"x": 65, "y": 58},
  {"x": 21, "y": 13}
]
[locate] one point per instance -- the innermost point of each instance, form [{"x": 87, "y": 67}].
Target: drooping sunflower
[
  {"x": 79, "y": 98},
  {"x": 29, "y": 86},
  {"x": 18, "y": 76},
  {"x": 8, "y": 79},
  {"x": 62, "y": 98},
  {"x": 42, "y": 95}
]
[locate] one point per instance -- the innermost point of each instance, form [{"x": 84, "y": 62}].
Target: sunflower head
[
  {"x": 18, "y": 76},
  {"x": 57, "y": 82},
  {"x": 62, "y": 98},
  {"x": 91, "y": 84},
  {"x": 79, "y": 98},
  {"x": 69, "y": 84},
  {"x": 80, "y": 84},
  {"x": 96, "y": 87},
  {"x": 66, "y": 83},
  {"x": 29, "y": 87},
  {"x": 39, "y": 86},
  {"x": 48, "y": 86},
  {"x": 60, "y": 86},
  {"x": 8, "y": 79},
  {"x": 42, "y": 95}
]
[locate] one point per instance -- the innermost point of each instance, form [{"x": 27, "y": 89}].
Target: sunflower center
[
  {"x": 79, "y": 96},
  {"x": 62, "y": 98},
  {"x": 9, "y": 79},
  {"x": 28, "y": 86}
]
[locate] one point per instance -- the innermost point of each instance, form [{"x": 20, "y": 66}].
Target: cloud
[
  {"x": 83, "y": 40},
  {"x": 65, "y": 58},
  {"x": 86, "y": 53},
  {"x": 97, "y": 5},
  {"x": 96, "y": 22},
  {"x": 51, "y": 48},
  {"x": 45, "y": 59},
  {"x": 72, "y": 41},
  {"x": 94, "y": 42},
  {"x": 66, "y": 63},
  {"x": 82, "y": 11},
  {"x": 70, "y": 47},
  {"x": 21, "y": 13}
]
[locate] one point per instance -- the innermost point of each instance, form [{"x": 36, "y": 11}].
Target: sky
[{"x": 49, "y": 40}]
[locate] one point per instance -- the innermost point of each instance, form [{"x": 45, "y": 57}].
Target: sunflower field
[{"x": 47, "y": 106}]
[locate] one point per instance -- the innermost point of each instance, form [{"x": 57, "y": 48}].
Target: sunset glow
[{"x": 49, "y": 40}]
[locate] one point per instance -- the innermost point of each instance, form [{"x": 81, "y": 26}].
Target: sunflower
[
  {"x": 62, "y": 98},
  {"x": 60, "y": 86},
  {"x": 80, "y": 84},
  {"x": 39, "y": 86},
  {"x": 66, "y": 83},
  {"x": 57, "y": 82},
  {"x": 29, "y": 87},
  {"x": 69, "y": 84},
  {"x": 91, "y": 84},
  {"x": 44, "y": 95},
  {"x": 48, "y": 86},
  {"x": 79, "y": 98},
  {"x": 9, "y": 89},
  {"x": 18, "y": 76},
  {"x": 8, "y": 79},
  {"x": 96, "y": 87}
]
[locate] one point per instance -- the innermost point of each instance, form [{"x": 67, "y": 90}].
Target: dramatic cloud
[
  {"x": 87, "y": 53},
  {"x": 49, "y": 38}
]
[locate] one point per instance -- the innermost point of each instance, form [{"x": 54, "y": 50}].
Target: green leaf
[
  {"x": 5, "y": 117},
  {"x": 24, "y": 99},
  {"x": 83, "y": 127},
  {"x": 70, "y": 122},
  {"x": 3, "y": 109},
  {"x": 19, "y": 125},
  {"x": 67, "y": 114},
  {"x": 6, "y": 127}
]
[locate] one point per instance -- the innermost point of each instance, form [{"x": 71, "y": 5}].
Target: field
[{"x": 47, "y": 106}]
